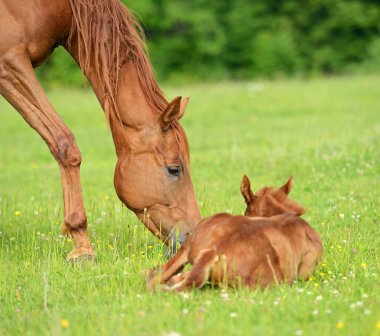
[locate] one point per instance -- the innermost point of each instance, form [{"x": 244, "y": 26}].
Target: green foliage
[
  {"x": 199, "y": 39},
  {"x": 324, "y": 132},
  {"x": 275, "y": 53},
  {"x": 60, "y": 69},
  {"x": 373, "y": 59}
]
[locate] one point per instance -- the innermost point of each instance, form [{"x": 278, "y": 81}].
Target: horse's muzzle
[{"x": 173, "y": 239}]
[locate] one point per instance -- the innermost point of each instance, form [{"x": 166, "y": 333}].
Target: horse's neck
[
  {"x": 133, "y": 107},
  {"x": 133, "y": 113}
]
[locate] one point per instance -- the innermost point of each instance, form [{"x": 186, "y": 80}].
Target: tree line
[{"x": 244, "y": 39}]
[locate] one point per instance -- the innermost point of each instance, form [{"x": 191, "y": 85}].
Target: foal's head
[{"x": 269, "y": 201}]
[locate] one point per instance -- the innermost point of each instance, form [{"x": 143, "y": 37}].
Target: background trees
[{"x": 242, "y": 39}]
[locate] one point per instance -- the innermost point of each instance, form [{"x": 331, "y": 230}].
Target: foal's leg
[
  {"x": 177, "y": 278},
  {"x": 308, "y": 265},
  {"x": 312, "y": 256},
  {"x": 19, "y": 85},
  {"x": 163, "y": 274},
  {"x": 200, "y": 272}
]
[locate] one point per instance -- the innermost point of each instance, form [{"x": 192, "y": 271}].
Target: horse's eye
[{"x": 174, "y": 170}]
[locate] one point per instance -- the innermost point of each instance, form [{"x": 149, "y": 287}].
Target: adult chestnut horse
[{"x": 152, "y": 175}]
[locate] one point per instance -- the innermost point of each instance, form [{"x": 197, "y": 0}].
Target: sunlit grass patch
[{"x": 325, "y": 132}]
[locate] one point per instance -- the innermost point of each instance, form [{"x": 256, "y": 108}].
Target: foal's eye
[{"x": 174, "y": 170}]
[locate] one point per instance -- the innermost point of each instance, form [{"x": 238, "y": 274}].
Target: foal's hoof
[
  {"x": 81, "y": 257},
  {"x": 149, "y": 274}
]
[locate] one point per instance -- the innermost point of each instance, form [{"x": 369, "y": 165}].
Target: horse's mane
[{"x": 106, "y": 36}]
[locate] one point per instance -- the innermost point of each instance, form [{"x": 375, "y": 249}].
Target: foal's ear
[
  {"x": 174, "y": 111},
  {"x": 287, "y": 186},
  {"x": 245, "y": 188}
]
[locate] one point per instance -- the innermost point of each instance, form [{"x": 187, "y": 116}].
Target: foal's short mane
[
  {"x": 281, "y": 199},
  {"x": 105, "y": 36}
]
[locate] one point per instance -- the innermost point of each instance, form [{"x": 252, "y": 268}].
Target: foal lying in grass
[{"x": 270, "y": 244}]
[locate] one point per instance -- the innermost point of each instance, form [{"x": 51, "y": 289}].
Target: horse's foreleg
[{"x": 19, "y": 85}]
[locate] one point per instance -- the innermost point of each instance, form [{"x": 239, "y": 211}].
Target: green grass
[{"x": 324, "y": 132}]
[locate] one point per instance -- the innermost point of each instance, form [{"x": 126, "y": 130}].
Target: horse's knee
[
  {"x": 67, "y": 151},
  {"x": 75, "y": 221}
]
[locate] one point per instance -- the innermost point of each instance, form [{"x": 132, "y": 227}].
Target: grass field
[{"x": 324, "y": 132}]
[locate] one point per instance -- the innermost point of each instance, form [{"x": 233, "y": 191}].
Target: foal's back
[{"x": 267, "y": 250}]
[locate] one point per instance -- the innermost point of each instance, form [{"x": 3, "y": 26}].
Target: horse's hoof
[{"x": 78, "y": 257}]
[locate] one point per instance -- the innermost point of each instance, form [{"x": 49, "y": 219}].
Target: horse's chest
[{"x": 39, "y": 26}]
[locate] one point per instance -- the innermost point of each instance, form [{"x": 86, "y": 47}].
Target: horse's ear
[
  {"x": 245, "y": 188},
  {"x": 174, "y": 111},
  {"x": 183, "y": 107},
  {"x": 287, "y": 186}
]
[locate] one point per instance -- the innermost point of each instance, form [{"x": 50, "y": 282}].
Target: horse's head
[
  {"x": 152, "y": 177},
  {"x": 269, "y": 201}
]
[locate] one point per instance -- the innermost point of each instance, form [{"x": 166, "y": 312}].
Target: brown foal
[{"x": 270, "y": 244}]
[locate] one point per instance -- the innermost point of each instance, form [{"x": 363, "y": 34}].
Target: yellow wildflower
[
  {"x": 65, "y": 323},
  {"x": 340, "y": 325}
]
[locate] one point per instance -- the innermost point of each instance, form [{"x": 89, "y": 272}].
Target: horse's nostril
[
  {"x": 173, "y": 238},
  {"x": 172, "y": 244}
]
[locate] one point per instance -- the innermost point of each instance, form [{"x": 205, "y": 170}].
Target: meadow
[{"x": 325, "y": 132}]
